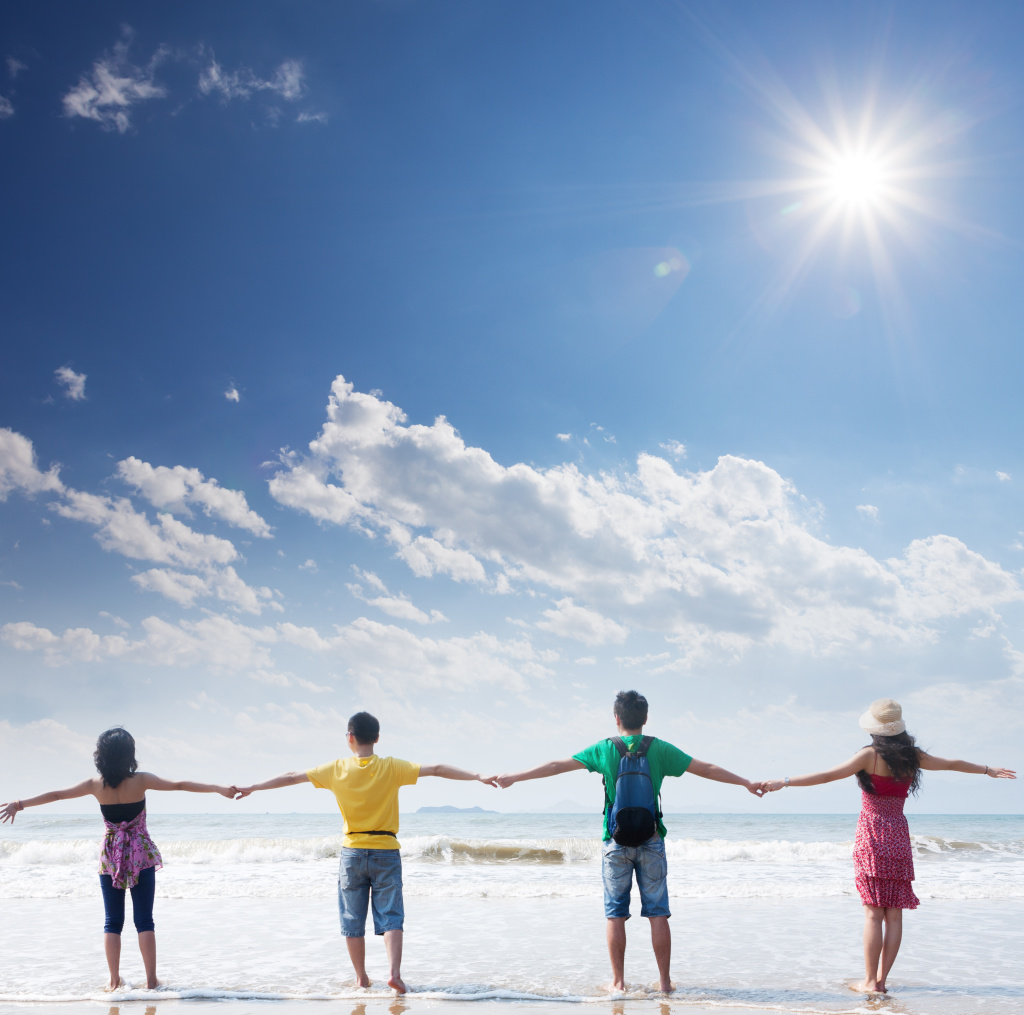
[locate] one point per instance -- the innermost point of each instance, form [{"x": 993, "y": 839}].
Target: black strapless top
[{"x": 122, "y": 812}]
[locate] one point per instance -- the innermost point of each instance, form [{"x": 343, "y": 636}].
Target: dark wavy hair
[
  {"x": 902, "y": 757},
  {"x": 115, "y": 756},
  {"x": 631, "y": 709}
]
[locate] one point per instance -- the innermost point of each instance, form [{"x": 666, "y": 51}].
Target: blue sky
[{"x": 468, "y": 363}]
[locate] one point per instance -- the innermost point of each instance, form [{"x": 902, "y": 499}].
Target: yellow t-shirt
[{"x": 367, "y": 793}]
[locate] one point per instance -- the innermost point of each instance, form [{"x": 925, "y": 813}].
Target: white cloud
[
  {"x": 868, "y": 511},
  {"x": 674, "y": 448},
  {"x": 1003, "y": 477},
  {"x": 6, "y": 108},
  {"x": 571, "y": 621},
  {"x": 310, "y": 565},
  {"x": 178, "y": 487},
  {"x": 312, "y": 118},
  {"x": 108, "y": 93},
  {"x": 74, "y": 384},
  {"x": 377, "y": 655},
  {"x": 717, "y": 560},
  {"x": 15, "y": 66},
  {"x": 124, "y": 530},
  {"x": 224, "y": 583},
  {"x": 397, "y": 606},
  {"x": 216, "y": 642},
  {"x": 18, "y": 469},
  {"x": 286, "y": 81},
  {"x": 564, "y": 436},
  {"x": 232, "y": 394}
]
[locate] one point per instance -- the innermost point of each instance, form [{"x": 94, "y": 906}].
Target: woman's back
[{"x": 129, "y": 790}]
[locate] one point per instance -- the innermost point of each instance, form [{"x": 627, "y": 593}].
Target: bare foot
[
  {"x": 155, "y": 985},
  {"x": 114, "y": 986},
  {"x": 614, "y": 988},
  {"x": 396, "y": 983},
  {"x": 866, "y": 987},
  {"x": 363, "y": 981},
  {"x": 666, "y": 988}
]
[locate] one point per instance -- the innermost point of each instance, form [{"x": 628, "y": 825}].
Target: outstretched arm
[
  {"x": 540, "y": 772},
  {"x": 451, "y": 772},
  {"x": 289, "y": 779},
  {"x": 933, "y": 764},
  {"x": 151, "y": 781},
  {"x": 8, "y": 810},
  {"x": 847, "y": 768},
  {"x": 708, "y": 771}
]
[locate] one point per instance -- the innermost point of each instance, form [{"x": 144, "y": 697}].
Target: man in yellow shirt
[{"x": 366, "y": 788}]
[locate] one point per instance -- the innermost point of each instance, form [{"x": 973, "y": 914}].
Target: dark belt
[{"x": 392, "y": 834}]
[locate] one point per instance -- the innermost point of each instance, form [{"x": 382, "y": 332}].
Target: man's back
[{"x": 367, "y": 793}]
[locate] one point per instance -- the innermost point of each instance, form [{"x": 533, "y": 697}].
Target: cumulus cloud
[
  {"x": 564, "y": 436},
  {"x": 674, "y": 448},
  {"x": 232, "y": 394},
  {"x": 720, "y": 559},
  {"x": 1003, "y": 477},
  {"x": 216, "y": 642},
  {"x": 397, "y": 606},
  {"x": 18, "y": 470},
  {"x": 571, "y": 621},
  {"x": 177, "y": 488},
  {"x": 868, "y": 511},
  {"x": 222, "y": 583},
  {"x": 114, "y": 86},
  {"x": 375, "y": 654},
  {"x": 286, "y": 81},
  {"x": 74, "y": 384}
]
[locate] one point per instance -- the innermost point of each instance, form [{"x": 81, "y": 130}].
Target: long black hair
[
  {"x": 115, "y": 756},
  {"x": 902, "y": 757}
]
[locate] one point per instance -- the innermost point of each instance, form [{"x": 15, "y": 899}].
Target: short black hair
[
  {"x": 631, "y": 709},
  {"x": 115, "y": 756},
  {"x": 364, "y": 727}
]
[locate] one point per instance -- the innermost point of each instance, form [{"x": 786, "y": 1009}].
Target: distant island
[{"x": 448, "y": 809}]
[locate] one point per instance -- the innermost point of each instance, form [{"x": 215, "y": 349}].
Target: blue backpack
[{"x": 635, "y": 812}]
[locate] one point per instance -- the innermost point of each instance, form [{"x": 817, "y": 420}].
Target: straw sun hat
[{"x": 884, "y": 718}]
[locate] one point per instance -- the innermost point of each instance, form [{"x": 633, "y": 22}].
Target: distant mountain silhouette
[{"x": 448, "y": 809}]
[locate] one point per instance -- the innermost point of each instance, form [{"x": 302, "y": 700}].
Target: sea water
[{"x": 765, "y": 915}]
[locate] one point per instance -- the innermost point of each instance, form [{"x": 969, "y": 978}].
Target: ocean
[{"x": 506, "y": 909}]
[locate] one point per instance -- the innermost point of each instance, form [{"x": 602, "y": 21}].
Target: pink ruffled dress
[
  {"x": 127, "y": 850},
  {"x": 883, "y": 858}
]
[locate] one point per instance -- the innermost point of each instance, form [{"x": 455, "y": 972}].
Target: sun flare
[{"x": 857, "y": 179}]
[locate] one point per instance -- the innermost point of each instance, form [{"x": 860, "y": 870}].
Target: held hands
[
  {"x": 504, "y": 781},
  {"x": 488, "y": 780},
  {"x": 773, "y": 785},
  {"x": 240, "y": 792},
  {"x": 227, "y": 791},
  {"x": 757, "y": 788}
]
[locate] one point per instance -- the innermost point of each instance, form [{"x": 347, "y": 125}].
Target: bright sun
[{"x": 857, "y": 180}]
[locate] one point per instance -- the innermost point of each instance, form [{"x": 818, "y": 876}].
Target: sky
[{"x": 468, "y": 363}]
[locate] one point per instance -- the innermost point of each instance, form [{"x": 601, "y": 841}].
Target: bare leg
[
  {"x": 873, "y": 917},
  {"x": 891, "y": 944},
  {"x": 661, "y": 940},
  {"x": 112, "y": 947},
  {"x": 393, "y": 946},
  {"x": 615, "y": 932},
  {"x": 147, "y": 945},
  {"x": 357, "y": 956}
]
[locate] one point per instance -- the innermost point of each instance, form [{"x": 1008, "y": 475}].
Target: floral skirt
[{"x": 886, "y": 893}]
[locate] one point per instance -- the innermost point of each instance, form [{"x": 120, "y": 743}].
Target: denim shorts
[
  {"x": 374, "y": 877},
  {"x": 619, "y": 863}
]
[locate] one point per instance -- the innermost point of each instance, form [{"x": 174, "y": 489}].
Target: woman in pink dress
[
  {"x": 883, "y": 858},
  {"x": 129, "y": 858}
]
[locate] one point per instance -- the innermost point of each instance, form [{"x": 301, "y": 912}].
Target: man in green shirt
[{"x": 647, "y": 862}]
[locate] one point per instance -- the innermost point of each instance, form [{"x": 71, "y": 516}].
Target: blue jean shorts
[
  {"x": 647, "y": 861},
  {"x": 374, "y": 877}
]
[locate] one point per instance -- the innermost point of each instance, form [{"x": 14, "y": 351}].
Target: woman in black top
[{"x": 129, "y": 858}]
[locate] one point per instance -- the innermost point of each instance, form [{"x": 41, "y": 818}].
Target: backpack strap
[
  {"x": 620, "y": 746},
  {"x": 643, "y": 746}
]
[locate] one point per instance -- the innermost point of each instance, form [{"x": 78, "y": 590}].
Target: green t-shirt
[{"x": 603, "y": 758}]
